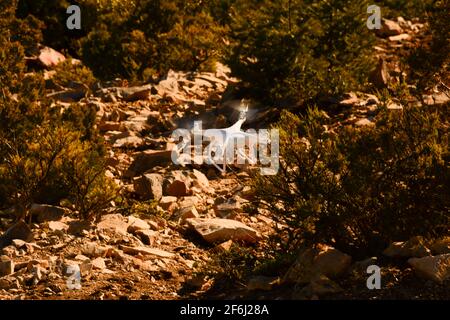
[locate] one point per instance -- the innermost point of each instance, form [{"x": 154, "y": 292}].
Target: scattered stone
[
  {"x": 85, "y": 267},
  {"x": 31, "y": 265},
  {"x": 414, "y": 247},
  {"x": 147, "y": 251},
  {"x": 200, "y": 180},
  {"x": 156, "y": 225},
  {"x": 168, "y": 203},
  {"x": 6, "y": 266},
  {"x": 177, "y": 184},
  {"x": 44, "y": 212},
  {"x": 20, "y": 230},
  {"x": 361, "y": 266},
  {"x": 82, "y": 258},
  {"x": 188, "y": 201},
  {"x": 436, "y": 268},
  {"x": 186, "y": 213},
  {"x": 147, "y": 237},
  {"x": 225, "y": 209},
  {"x": 99, "y": 263},
  {"x": 390, "y": 28},
  {"x": 135, "y": 224},
  {"x": 146, "y": 160},
  {"x": 440, "y": 98},
  {"x": 9, "y": 251},
  {"x": 131, "y": 142},
  {"x": 37, "y": 272},
  {"x": 350, "y": 99},
  {"x": 92, "y": 249},
  {"x": 223, "y": 247},
  {"x": 18, "y": 243},
  {"x": 394, "y": 106},
  {"x": 380, "y": 76},
  {"x": 262, "y": 283},
  {"x": 441, "y": 246},
  {"x": 114, "y": 222},
  {"x": 57, "y": 226},
  {"x": 364, "y": 122},
  {"x": 322, "y": 285},
  {"x": 220, "y": 230},
  {"x": 134, "y": 93},
  {"x": 149, "y": 186},
  {"x": 49, "y": 57},
  {"x": 111, "y": 126},
  {"x": 6, "y": 283},
  {"x": 400, "y": 37},
  {"x": 79, "y": 227},
  {"x": 318, "y": 260}
]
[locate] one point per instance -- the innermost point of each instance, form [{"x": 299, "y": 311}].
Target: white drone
[{"x": 222, "y": 141}]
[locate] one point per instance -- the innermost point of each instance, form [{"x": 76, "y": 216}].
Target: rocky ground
[{"x": 190, "y": 212}]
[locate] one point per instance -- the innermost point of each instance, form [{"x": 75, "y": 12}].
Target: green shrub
[
  {"x": 69, "y": 75},
  {"x": 46, "y": 155},
  {"x": 300, "y": 49},
  {"x": 150, "y": 39},
  {"x": 429, "y": 63},
  {"x": 360, "y": 189},
  {"x": 230, "y": 267},
  {"x": 404, "y": 8}
]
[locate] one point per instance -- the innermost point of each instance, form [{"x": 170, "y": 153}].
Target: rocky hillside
[{"x": 174, "y": 232}]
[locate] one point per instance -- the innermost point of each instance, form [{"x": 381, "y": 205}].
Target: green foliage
[
  {"x": 299, "y": 49},
  {"x": 144, "y": 209},
  {"x": 46, "y": 155},
  {"x": 362, "y": 188},
  {"x": 230, "y": 266},
  {"x": 151, "y": 37},
  {"x": 430, "y": 62},
  {"x": 404, "y": 8},
  {"x": 70, "y": 74}
]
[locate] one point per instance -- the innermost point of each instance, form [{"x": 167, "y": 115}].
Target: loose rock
[
  {"x": 149, "y": 186},
  {"x": 316, "y": 261},
  {"x": 436, "y": 268},
  {"x": 220, "y": 230},
  {"x": 414, "y": 247}
]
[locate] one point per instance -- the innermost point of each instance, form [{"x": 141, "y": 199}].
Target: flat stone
[
  {"x": 436, "y": 268},
  {"x": 400, "y": 37},
  {"x": 316, "y": 261},
  {"x": 149, "y": 186},
  {"x": 18, "y": 243},
  {"x": 99, "y": 263},
  {"x": 135, "y": 224},
  {"x": 168, "y": 203},
  {"x": 49, "y": 57},
  {"x": 148, "y": 237},
  {"x": 57, "y": 226},
  {"x": 186, "y": 213},
  {"x": 364, "y": 122},
  {"x": 262, "y": 283},
  {"x": 20, "y": 231},
  {"x": 93, "y": 249},
  {"x": 221, "y": 230},
  {"x": 414, "y": 247},
  {"x": 147, "y": 160},
  {"x": 323, "y": 286},
  {"x": 131, "y": 142},
  {"x": 390, "y": 28},
  {"x": 114, "y": 223},
  {"x": 44, "y": 212}
]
